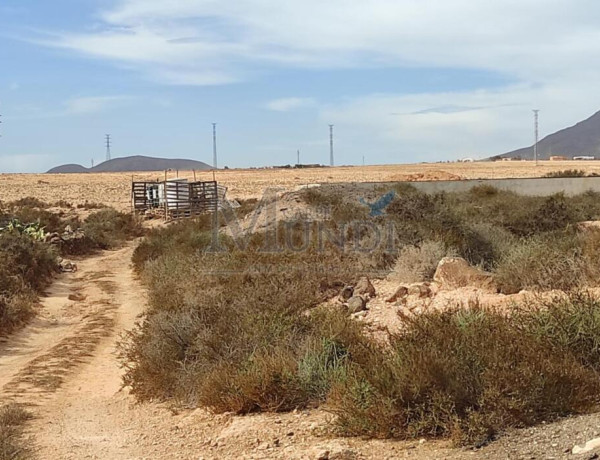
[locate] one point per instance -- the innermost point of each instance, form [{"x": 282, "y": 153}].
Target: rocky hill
[
  {"x": 134, "y": 163},
  {"x": 582, "y": 139}
]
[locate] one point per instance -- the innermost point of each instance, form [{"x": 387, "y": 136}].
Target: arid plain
[{"x": 114, "y": 189}]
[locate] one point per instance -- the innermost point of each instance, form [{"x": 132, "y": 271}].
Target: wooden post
[{"x": 194, "y": 175}]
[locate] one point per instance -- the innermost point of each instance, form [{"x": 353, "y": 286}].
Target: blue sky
[{"x": 402, "y": 80}]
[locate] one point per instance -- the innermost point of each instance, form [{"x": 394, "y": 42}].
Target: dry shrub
[
  {"x": 470, "y": 374},
  {"x": 108, "y": 228},
  {"x": 27, "y": 268},
  {"x": 12, "y": 418},
  {"x": 418, "y": 263},
  {"x": 231, "y": 330},
  {"x": 543, "y": 263}
]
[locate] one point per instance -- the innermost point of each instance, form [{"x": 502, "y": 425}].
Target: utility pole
[
  {"x": 215, "y": 165},
  {"x": 92, "y": 162},
  {"x": 363, "y": 160},
  {"x": 107, "y": 136},
  {"x": 298, "y": 157},
  {"x": 331, "y": 163},
  {"x": 535, "y": 145}
]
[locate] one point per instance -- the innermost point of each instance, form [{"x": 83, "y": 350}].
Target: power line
[
  {"x": 108, "y": 143},
  {"x": 215, "y": 145},
  {"x": 536, "y": 133},
  {"x": 331, "y": 145}
]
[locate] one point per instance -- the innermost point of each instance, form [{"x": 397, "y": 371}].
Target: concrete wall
[{"x": 529, "y": 186}]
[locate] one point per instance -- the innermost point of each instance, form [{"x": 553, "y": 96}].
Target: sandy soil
[{"x": 114, "y": 189}]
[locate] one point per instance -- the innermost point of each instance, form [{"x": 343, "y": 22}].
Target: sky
[{"x": 403, "y": 81}]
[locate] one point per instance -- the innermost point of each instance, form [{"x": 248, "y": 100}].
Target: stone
[
  {"x": 420, "y": 290},
  {"x": 346, "y": 293},
  {"x": 344, "y": 454},
  {"x": 356, "y": 304},
  {"x": 365, "y": 287},
  {"x": 77, "y": 297},
  {"x": 400, "y": 293},
  {"x": 588, "y": 447},
  {"x": 324, "y": 455},
  {"x": 455, "y": 272}
]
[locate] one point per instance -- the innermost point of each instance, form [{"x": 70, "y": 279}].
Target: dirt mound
[{"x": 425, "y": 176}]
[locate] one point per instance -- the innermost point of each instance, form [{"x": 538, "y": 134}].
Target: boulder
[
  {"x": 346, "y": 293},
  {"x": 356, "y": 304},
  {"x": 365, "y": 287},
  {"x": 455, "y": 272},
  {"x": 400, "y": 293},
  {"x": 420, "y": 290}
]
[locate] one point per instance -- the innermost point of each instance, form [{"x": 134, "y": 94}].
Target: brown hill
[
  {"x": 135, "y": 163},
  {"x": 582, "y": 139}
]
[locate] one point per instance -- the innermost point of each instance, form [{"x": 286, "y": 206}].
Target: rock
[
  {"x": 323, "y": 455},
  {"x": 400, "y": 293},
  {"x": 68, "y": 229},
  {"x": 77, "y": 297},
  {"x": 588, "y": 447},
  {"x": 346, "y": 293},
  {"x": 356, "y": 304},
  {"x": 66, "y": 266},
  {"x": 365, "y": 287},
  {"x": 420, "y": 290},
  {"x": 359, "y": 315},
  {"x": 344, "y": 454},
  {"x": 455, "y": 272}
]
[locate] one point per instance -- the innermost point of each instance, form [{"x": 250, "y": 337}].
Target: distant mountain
[
  {"x": 135, "y": 163},
  {"x": 70, "y": 168},
  {"x": 583, "y": 139}
]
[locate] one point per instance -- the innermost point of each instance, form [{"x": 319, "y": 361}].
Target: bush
[
  {"x": 238, "y": 330},
  {"x": 27, "y": 268},
  {"x": 468, "y": 375},
  {"x": 418, "y": 263},
  {"x": 566, "y": 173},
  {"x": 542, "y": 263},
  {"x": 108, "y": 228},
  {"x": 12, "y": 418}
]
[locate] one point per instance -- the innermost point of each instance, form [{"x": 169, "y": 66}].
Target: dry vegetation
[
  {"x": 245, "y": 328},
  {"x": 12, "y": 444}
]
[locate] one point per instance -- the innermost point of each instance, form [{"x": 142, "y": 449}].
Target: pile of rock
[
  {"x": 68, "y": 235},
  {"x": 355, "y": 298}
]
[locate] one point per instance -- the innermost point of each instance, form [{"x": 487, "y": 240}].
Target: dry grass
[{"x": 12, "y": 445}]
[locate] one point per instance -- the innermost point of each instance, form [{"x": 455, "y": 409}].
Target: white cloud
[
  {"x": 549, "y": 50},
  {"x": 290, "y": 103},
  {"x": 14, "y": 86},
  {"x": 481, "y": 123},
  {"x": 221, "y": 40},
  {"x": 90, "y": 105}
]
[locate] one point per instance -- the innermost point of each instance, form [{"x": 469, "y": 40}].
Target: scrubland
[{"x": 245, "y": 323}]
